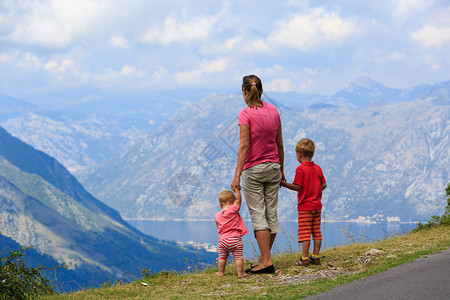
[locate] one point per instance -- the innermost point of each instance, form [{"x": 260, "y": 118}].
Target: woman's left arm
[{"x": 281, "y": 150}]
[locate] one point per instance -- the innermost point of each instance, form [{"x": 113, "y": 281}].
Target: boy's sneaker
[
  {"x": 302, "y": 262},
  {"x": 314, "y": 261}
]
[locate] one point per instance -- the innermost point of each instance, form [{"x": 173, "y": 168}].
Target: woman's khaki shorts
[{"x": 260, "y": 184}]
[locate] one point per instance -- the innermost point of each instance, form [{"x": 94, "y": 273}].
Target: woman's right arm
[
  {"x": 244, "y": 145},
  {"x": 281, "y": 150}
]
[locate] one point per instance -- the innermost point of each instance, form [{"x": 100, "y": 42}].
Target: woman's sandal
[{"x": 267, "y": 270}]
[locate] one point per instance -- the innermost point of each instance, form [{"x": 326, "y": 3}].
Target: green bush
[
  {"x": 19, "y": 282},
  {"x": 439, "y": 220}
]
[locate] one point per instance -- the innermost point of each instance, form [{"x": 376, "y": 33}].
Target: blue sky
[{"x": 112, "y": 46}]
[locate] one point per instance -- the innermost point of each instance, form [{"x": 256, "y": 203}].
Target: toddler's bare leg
[
  {"x": 240, "y": 268},
  {"x": 222, "y": 264}
]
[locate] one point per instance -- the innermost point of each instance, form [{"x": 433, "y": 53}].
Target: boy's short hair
[
  {"x": 305, "y": 147},
  {"x": 226, "y": 196}
]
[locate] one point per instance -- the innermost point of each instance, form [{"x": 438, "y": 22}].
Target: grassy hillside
[
  {"x": 43, "y": 206},
  {"x": 339, "y": 265}
]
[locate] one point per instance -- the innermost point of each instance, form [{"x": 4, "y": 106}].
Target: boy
[
  {"x": 231, "y": 228},
  {"x": 309, "y": 182}
]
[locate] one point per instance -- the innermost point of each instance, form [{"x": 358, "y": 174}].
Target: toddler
[
  {"x": 309, "y": 182},
  {"x": 231, "y": 228}
]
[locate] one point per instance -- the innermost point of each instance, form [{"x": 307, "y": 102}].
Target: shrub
[
  {"x": 19, "y": 282},
  {"x": 438, "y": 220}
]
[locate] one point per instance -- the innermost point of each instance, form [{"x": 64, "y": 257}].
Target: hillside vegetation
[{"x": 339, "y": 265}]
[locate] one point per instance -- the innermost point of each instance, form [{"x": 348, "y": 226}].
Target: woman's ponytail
[{"x": 252, "y": 84}]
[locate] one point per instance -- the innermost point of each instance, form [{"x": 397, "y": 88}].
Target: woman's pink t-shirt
[
  {"x": 230, "y": 223},
  {"x": 263, "y": 123}
]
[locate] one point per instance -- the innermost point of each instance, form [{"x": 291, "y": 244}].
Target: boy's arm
[
  {"x": 291, "y": 186},
  {"x": 324, "y": 186},
  {"x": 238, "y": 200}
]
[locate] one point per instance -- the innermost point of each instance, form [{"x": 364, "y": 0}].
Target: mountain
[
  {"x": 99, "y": 128},
  {"x": 87, "y": 134},
  {"x": 12, "y": 107},
  {"x": 362, "y": 91},
  {"x": 42, "y": 205},
  {"x": 387, "y": 160}
]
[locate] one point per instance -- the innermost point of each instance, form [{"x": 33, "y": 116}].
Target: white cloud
[
  {"x": 405, "y": 9},
  {"x": 435, "y": 67},
  {"x": 51, "y": 65},
  {"x": 436, "y": 29},
  {"x": 62, "y": 66},
  {"x": 205, "y": 68},
  {"x": 287, "y": 85},
  {"x": 310, "y": 71},
  {"x": 218, "y": 65},
  {"x": 23, "y": 60},
  {"x": 6, "y": 58},
  {"x": 306, "y": 85},
  {"x": 178, "y": 30},
  {"x": 128, "y": 70},
  {"x": 308, "y": 31},
  {"x": 55, "y": 24},
  {"x": 66, "y": 64},
  {"x": 79, "y": 43},
  {"x": 280, "y": 85},
  {"x": 431, "y": 36},
  {"x": 119, "y": 41},
  {"x": 160, "y": 74}
]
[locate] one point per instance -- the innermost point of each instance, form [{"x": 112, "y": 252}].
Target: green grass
[{"x": 340, "y": 265}]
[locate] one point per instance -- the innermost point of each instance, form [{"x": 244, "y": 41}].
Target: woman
[{"x": 260, "y": 162}]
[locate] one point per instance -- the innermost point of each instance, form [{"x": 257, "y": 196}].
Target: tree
[{"x": 17, "y": 281}]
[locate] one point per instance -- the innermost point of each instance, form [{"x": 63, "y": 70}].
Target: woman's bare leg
[
  {"x": 272, "y": 240},
  {"x": 263, "y": 237}
]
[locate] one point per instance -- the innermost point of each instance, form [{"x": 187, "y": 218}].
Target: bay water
[{"x": 204, "y": 233}]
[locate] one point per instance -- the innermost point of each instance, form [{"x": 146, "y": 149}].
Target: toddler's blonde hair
[
  {"x": 305, "y": 147},
  {"x": 226, "y": 197}
]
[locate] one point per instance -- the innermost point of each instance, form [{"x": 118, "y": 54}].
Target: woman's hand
[
  {"x": 236, "y": 183},
  {"x": 283, "y": 178}
]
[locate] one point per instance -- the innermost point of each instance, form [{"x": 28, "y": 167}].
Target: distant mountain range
[
  {"x": 42, "y": 205},
  {"x": 384, "y": 151},
  {"x": 88, "y": 134}
]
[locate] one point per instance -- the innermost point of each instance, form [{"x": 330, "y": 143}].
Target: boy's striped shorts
[{"x": 309, "y": 224}]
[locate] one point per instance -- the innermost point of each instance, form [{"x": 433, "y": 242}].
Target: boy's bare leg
[
  {"x": 240, "y": 268},
  {"x": 305, "y": 248},
  {"x": 317, "y": 245},
  {"x": 222, "y": 264}
]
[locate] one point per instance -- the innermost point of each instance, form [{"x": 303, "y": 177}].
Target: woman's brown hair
[{"x": 253, "y": 86}]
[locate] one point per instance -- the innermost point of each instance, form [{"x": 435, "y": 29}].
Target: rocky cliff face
[{"x": 383, "y": 161}]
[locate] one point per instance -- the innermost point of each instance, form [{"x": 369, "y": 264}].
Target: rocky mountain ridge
[
  {"x": 187, "y": 158},
  {"x": 383, "y": 161}
]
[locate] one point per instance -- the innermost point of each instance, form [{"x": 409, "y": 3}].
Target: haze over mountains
[
  {"x": 42, "y": 205},
  {"x": 384, "y": 151}
]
